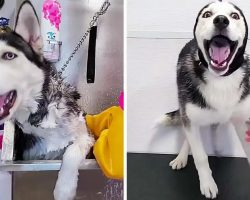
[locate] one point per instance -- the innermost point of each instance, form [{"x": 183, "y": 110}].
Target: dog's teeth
[
  {"x": 6, "y": 102},
  {"x": 1, "y": 111},
  {"x": 210, "y": 51}
]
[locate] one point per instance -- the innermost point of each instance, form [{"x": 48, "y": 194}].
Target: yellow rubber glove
[{"x": 108, "y": 149}]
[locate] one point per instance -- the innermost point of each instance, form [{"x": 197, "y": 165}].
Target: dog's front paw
[
  {"x": 63, "y": 193},
  {"x": 179, "y": 162},
  {"x": 208, "y": 188}
]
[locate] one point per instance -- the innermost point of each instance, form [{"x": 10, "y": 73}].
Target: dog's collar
[{"x": 202, "y": 59}]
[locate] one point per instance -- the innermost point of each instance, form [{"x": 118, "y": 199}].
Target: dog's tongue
[
  {"x": 219, "y": 50},
  {"x": 219, "y": 54}
]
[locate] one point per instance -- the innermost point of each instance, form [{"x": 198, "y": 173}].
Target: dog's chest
[
  {"x": 52, "y": 139},
  {"x": 223, "y": 99},
  {"x": 223, "y": 93}
]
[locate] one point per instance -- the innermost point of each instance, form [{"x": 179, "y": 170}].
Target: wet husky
[{"x": 48, "y": 121}]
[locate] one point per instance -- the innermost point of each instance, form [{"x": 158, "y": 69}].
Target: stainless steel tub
[{"x": 36, "y": 180}]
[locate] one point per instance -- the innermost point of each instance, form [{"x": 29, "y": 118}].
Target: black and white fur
[
  {"x": 49, "y": 122},
  {"x": 208, "y": 96}
]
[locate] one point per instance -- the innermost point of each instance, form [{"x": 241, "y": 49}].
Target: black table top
[{"x": 151, "y": 178}]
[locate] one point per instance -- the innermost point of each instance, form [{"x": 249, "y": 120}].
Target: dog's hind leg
[
  {"x": 66, "y": 184},
  {"x": 208, "y": 186},
  {"x": 181, "y": 160}
]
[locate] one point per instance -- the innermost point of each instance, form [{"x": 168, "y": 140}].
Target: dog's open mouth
[
  {"x": 220, "y": 50},
  {"x": 7, "y": 101}
]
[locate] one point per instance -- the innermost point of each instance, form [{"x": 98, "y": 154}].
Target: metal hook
[{"x": 104, "y": 7}]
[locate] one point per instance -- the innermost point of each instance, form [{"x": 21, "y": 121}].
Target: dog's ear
[{"x": 27, "y": 25}]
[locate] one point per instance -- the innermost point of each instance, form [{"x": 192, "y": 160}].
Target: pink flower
[
  {"x": 1, "y": 141},
  {"x": 52, "y": 12},
  {"x": 121, "y": 100},
  {"x": 248, "y": 136}
]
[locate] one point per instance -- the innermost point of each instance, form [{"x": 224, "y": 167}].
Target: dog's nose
[{"x": 221, "y": 22}]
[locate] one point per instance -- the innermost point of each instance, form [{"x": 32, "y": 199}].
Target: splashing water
[{"x": 113, "y": 190}]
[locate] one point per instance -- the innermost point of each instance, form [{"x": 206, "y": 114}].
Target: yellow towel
[{"x": 108, "y": 149}]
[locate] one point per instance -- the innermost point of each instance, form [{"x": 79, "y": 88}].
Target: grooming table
[
  {"x": 150, "y": 177},
  {"x": 35, "y": 180}
]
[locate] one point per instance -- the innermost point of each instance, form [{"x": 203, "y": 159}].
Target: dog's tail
[{"x": 170, "y": 119}]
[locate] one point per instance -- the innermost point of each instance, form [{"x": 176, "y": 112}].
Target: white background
[{"x": 157, "y": 30}]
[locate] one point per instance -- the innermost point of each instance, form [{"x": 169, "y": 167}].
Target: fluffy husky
[
  {"x": 213, "y": 83},
  {"x": 48, "y": 121}
]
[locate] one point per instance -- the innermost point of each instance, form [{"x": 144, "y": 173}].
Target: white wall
[{"x": 157, "y": 30}]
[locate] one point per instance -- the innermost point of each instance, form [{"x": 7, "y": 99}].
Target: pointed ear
[{"x": 27, "y": 26}]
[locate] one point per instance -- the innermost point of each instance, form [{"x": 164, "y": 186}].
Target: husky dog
[
  {"x": 48, "y": 121},
  {"x": 213, "y": 83}
]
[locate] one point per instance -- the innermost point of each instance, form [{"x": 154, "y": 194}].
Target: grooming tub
[{"x": 36, "y": 179}]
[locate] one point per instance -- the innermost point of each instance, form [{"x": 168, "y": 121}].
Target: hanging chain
[{"x": 92, "y": 23}]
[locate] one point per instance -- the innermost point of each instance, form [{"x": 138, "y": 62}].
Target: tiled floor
[{"x": 151, "y": 178}]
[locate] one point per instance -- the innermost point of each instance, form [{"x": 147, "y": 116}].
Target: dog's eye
[
  {"x": 235, "y": 16},
  {"x": 207, "y": 14},
  {"x": 9, "y": 56}
]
